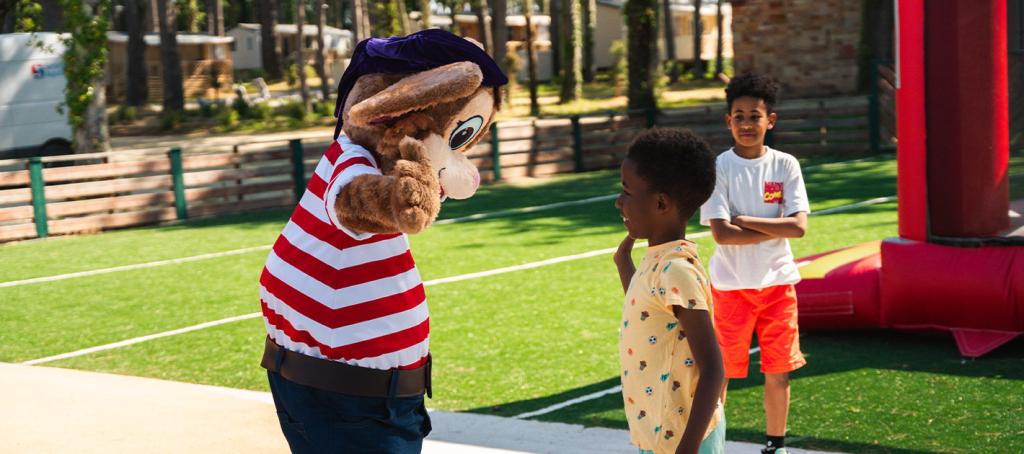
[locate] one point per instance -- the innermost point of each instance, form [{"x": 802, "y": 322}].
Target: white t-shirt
[{"x": 769, "y": 187}]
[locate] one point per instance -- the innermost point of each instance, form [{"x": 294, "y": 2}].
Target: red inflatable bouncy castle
[{"x": 958, "y": 264}]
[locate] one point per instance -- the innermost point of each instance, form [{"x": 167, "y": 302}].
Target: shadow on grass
[{"x": 828, "y": 353}]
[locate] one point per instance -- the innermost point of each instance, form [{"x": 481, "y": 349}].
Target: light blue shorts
[{"x": 714, "y": 443}]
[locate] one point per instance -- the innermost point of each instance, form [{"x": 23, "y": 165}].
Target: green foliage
[
  {"x": 386, "y": 18},
  {"x": 85, "y": 56},
  {"x": 209, "y": 109},
  {"x": 511, "y": 65},
  {"x": 189, "y": 15},
  {"x": 239, "y": 105},
  {"x": 124, "y": 114},
  {"x": 171, "y": 119},
  {"x": 227, "y": 117},
  {"x": 323, "y": 109},
  {"x": 28, "y": 16},
  {"x": 260, "y": 111},
  {"x": 619, "y": 65},
  {"x": 292, "y": 75},
  {"x": 293, "y": 109},
  {"x": 244, "y": 75}
]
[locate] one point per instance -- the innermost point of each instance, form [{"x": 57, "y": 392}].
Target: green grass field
[{"x": 520, "y": 341}]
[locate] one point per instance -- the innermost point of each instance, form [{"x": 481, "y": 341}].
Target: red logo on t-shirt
[{"x": 773, "y": 192}]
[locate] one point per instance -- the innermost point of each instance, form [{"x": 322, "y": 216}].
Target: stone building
[{"x": 810, "y": 46}]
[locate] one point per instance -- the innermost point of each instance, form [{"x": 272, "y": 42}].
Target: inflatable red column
[
  {"x": 912, "y": 184},
  {"x": 967, "y": 115}
]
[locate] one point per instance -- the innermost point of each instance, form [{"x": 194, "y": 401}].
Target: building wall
[
  {"x": 608, "y": 28},
  {"x": 809, "y": 46},
  {"x": 709, "y": 42},
  {"x": 246, "y": 53}
]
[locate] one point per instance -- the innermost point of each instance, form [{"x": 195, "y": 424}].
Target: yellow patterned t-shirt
[{"x": 659, "y": 375}]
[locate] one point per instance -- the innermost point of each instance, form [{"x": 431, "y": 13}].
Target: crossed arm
[{"x": 750, "y": 230}]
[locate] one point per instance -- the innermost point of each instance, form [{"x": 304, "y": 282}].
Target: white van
[{"x": 31, "y": 86}]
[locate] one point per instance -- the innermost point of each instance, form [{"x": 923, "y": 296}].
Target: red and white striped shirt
[{"x": 330, "y": 292}]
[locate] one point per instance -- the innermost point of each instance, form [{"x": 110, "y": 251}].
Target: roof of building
[
  {"x": 707, "y": 8},
  {"x": 153, "y": 39},
  {"x": 290, "y": 29}
]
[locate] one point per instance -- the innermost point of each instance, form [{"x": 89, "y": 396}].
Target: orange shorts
[{"x": 772, "y": 312}]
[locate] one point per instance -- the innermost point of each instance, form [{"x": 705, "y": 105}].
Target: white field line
[
  {"x": 444, "y": 280},
  {"x": 474, "y": 217},
  {"x": 137, "y": 266},
  {"x": 550, "y": 206},
  {"x": 581, "y": 399},
  {"x": 852, "y": 206},
  {"x": 137, "y": 340}
]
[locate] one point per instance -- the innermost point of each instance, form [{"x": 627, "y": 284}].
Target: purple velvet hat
[{"x": 419, "y": 51}]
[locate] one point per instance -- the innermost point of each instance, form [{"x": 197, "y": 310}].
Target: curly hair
[
  {"x": 754, "y": 85},
  {"x": 676, "y": 162}
]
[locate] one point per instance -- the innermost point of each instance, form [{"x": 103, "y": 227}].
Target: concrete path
[{"x": 51, "y": 410}]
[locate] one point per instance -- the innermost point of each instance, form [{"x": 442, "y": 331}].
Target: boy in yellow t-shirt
[{"x": 672, "y": 370}]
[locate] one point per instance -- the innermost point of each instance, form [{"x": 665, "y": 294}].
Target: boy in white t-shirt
[{"x": 759, "y": 201}]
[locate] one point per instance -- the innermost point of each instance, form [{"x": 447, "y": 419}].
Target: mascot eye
[{"x": 465, "y": 131}]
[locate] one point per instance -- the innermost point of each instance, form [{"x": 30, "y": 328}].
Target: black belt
[{"x": 345, "y": 378}]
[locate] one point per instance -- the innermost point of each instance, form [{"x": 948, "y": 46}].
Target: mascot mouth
[{"x": 443, "y": 195}]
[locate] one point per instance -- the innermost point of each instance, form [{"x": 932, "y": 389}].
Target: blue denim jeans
[{"x": 318, "y": 421}]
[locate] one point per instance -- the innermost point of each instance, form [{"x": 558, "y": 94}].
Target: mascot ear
[{"x": 417, "y": 92}]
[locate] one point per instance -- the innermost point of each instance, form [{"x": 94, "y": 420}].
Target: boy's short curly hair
[
  {"x": 753, "y": 85},
  {"x": 676, "y": 162}
]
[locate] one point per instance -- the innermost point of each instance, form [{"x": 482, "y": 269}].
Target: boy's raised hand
[
  {"x": 624, "y": 261},
  {"x": 625, "y": 251}
]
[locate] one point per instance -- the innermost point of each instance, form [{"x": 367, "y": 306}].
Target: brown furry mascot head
[{"x": 417, "y": 103}]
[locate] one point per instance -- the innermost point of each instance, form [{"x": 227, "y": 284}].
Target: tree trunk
[
  {"x": 358, "y": 32},
  {"x": 485, "y": 32},
  {"x": 152, "y": 19},
  {"x": 93, "y": 136},
  {"x": 572, "y": 58},
  {"x": 7, "y": 20},
  {"x": 270, "y": 48},
  {"x": 499, "y": 30},
  {"x": 170, "y": 59},
  {"x": 670, "y": 42},
  {"x": 403, "y": 16},
  {"x": 719, "y": 36},
  {"x": 368, "y": 28},
  {"x": 642, "y": 35},
  {"x": 215, "y": 17},
  {"x": 300, "y": 51},
  {"x": 53, "y": 16},
  {"x": 589, "y": 20},
  {"x": 698, "y": 36},
  {"x": 137, "y": 88},
  {"x": 7, "y": 8},
  {"x": 425, "y": 13},
  {"x": 531, "y": 60},
  {"x": 555, "y": 30},
  {"x": 321, "y": 70}
]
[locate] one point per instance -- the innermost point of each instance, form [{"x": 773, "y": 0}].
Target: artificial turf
[{"x": 516, "y": 342}]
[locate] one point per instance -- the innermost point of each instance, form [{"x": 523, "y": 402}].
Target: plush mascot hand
[{"x": 417, "y": 198}]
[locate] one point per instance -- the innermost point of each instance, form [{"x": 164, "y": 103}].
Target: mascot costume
[{"x": 347, "y": 352}]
